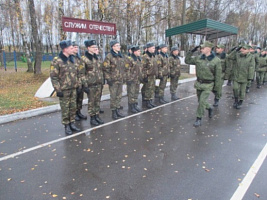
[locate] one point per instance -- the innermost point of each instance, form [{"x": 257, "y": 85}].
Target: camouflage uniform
[
  {"x": 242, "y": 73},
  {"x": 208, "y": 72},
  {"x": 94, "y": 79},
  {"x": 222, "y": 57},
  {"x": 175, "y": 67},
  {"x": 256, "y": 58},
  {"x": 149, "y": 63},
  {"x": 261, "y": 70},
  {"x": 163, "y": 73},
  {"x": 114, "y": 70},
  {"x": 64, "y": 77}
]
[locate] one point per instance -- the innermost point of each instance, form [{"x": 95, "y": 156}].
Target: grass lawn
[{"x": 17, "y": 89}]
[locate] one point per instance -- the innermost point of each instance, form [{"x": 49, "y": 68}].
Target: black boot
[
  {"x": 148, "y": 105},
  {"x": 174, "y": 97},
  {"x": 120, "y": 115},
  {"x": 210, "y": 112},
  {"x": 152, "y": 104},
  {"x": 81, "y": 116},
  {"x": 197, "y": 122},
  {"x": 235, "y": 103},
  {"x": 73, "y": 127},
  {"x": 137, "y": 108},
  {"x": 77, "y": 118},
  {"x": 156, "y": 95},
  {"x": 258, "y": 86},
  {"x": 93, "y": 121},
  {"x": 98, "y": 119},
  {"x": 162, "y": 100},
  {"x": 132, "y": 109},
  {"x": 216, "y": 102},
  {"x": 239, "y": 105},
  {"x": 247, "y": 90},
  {"x": 114, "y": 114},
  {"x": 68, "y": 130},
  {"x": 229, "y": 83},
  {"x": 101, "y": 111}
]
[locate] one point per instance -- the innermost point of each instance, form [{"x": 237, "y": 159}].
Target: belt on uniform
[{"x": 204, "y": 81}]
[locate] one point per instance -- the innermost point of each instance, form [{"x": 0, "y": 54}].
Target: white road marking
[
  {"x": 87, "y": 130},
  {"x": 244, "y": 185}
]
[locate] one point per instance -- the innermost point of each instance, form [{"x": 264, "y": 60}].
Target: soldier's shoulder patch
[
  {"x": 105, "y": 64},
  {"x": 81, "y": 67},
  {"x": 52, "y": 67},
  {"x": 56, "y": 58},
  {"x": 158, "y": 62},
  {"x": 127, "y": 65}
]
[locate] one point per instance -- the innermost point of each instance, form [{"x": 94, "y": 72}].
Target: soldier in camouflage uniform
[
  {"x": 262, "y": 67},
  {"x": 64, "y": 78},
  {"x": 222, "y": 56},
  {"x": 114, "y": 71},
  {"x": 208, "y": 72},
  {"x": 94, "y": 77},
  {"x": 103, "y": 83},
  {"x": 149, "y": 63},
  {"x": 134, "y": 76},
  {"x": 175, "y": 71},
  {"x": 163, "y": 71},
  {"x": 243, "y": 72},
  {"x": 255, "y": 54},
  {"x": 81, "y": 77}
]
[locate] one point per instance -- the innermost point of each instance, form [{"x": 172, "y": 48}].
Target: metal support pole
[
  {"x": 4, "y": 57},
  {"x": 15, "y": 61},
  {"x": 104, "y": 47}
]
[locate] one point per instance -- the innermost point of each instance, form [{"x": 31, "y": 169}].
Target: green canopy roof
[{"x": 210, "y": 28}]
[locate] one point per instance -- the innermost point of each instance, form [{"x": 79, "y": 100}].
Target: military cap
[
  {"x": 150, "y": 44},
  {"x": 162, "y": 46},
  {"x": 129, "y": 47},
  {"x": 207, "y": 44},
  {"x": 174, "y": 48},
  {"x": 74, "y": 44},
  {"x": 135, "y": 48},
  {"x": 246, "y": 46},
  {"x": 65, "y": 44},
  {"x": 258, "y": 48},
  {"x": 113, "y": 42},
  {"x": 220, "y": 46},
  {"x": 89, "y": 43}
]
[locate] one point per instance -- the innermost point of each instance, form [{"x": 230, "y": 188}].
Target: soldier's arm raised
[{"x": 189, "y": 59}]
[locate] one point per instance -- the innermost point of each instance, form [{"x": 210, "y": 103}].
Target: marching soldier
[
  {"x": 208, "y": 72},
  {"x": 255, "y": 54},
  {"x": 261, "y": 70},
  {"x": 222, "y": 56},
  {"x": 134, "y": 76},
  {"x": 163, "y": 71},
  {"x": 81, "y": 77},
  {"x": 149, "y": 63},
  {"x": 243, "y": 72},
  {"x": 175, "y": 71},
  {"x": 64, "y": 78},
  {"x": 114, "y": 69},
  {"x": 94, "y": 76}
]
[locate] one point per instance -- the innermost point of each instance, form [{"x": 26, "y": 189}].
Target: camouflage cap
[
  {"x": 150, "y": 44},
  {"x": 246, "y": 46},
  {"x": 65, "y": 44},
  {"x": 174, "y": 48},
  {"x": 113, "y": 42},
  {"x": 207, "y": 44},
  {"x": 89, "y": 43},
  {"x": 221, "y": 46},
  {"x": 162, "y": 46}
]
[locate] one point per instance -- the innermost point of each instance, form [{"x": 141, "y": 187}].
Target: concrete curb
[{"x": 54, "y": 108}]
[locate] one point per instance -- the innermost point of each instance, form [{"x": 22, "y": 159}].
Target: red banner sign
[{"x": 88, "y": 26}]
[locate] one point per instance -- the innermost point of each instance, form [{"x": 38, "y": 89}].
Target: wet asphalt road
[{"x": 154, "y": 155}]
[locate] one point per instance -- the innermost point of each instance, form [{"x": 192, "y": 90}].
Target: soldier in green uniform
[
  {"x": 149, "y": 63},
  {"x": 81, "y": 77},
  {"x": 222, "y": 56},
  {"x": 99, "y": 57},
  {"x": 94, "y": 77},
  {"x": 134, "y": 76},
  {"x": 243, "y": 72},
  {"x": 209, "y": 73},
  {"x": 114, "y": 70},
  {"x": 175, "y": 71},
  {"x": 262, "y": 67},
  {"x": 64, "y": 78},
  {"x": 163, "y": 71},
  {"x": 255, "y": 54}
]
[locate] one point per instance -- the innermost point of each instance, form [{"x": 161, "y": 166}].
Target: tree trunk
[
  {"x": 23, "y": 35},
  {"x": 63, "y": 35},
  {"x": 128, "y": 24},
  {"x": 169, "y": 21},
  {"x": 36, "y": 39},
  {"x": 183, "y": 22}
]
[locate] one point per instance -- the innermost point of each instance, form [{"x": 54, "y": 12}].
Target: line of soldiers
[
  {"x": 213, "y": 67},
  {"x": 73, "y": 75}
]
